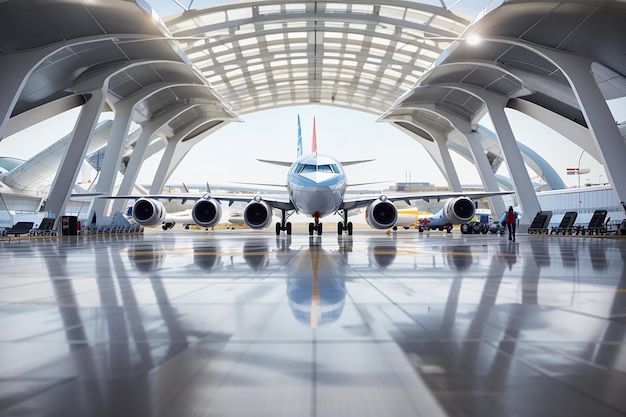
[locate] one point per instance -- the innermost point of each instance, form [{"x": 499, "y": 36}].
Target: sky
[{"x": 229, "y": 155}]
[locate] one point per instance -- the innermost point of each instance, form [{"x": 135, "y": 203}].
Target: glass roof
[{"x": 357, "y": 55}]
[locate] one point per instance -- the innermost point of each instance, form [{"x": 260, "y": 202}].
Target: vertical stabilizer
[
  {"x": 314, "y": 143},
  {"x": 299, "y": 138}
]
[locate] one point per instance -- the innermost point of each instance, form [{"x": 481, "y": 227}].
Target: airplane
[{"x": 316, "y": 186}]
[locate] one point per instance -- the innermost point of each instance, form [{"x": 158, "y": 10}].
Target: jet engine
[
  {"x": 381, "y": 214},
  {"x": 149, "y": 212},
  {"x": 206, "y": 212},
  {"x": 459, "y": 210},
  {"x": 257, "y": 214}
]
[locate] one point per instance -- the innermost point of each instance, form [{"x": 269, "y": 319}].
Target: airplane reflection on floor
[{"x": 252, "y": 324}]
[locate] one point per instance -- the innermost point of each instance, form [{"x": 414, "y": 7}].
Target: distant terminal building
[{"x": 584, "y": 201}]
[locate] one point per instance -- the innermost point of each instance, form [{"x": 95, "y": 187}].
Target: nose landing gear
[{"x": 317, "y": 226}]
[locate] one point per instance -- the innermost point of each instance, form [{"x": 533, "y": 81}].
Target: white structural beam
[
  {"x": 16, "y": 68},
  {"x": 65, "y": 179},
  {"x": 113, "y": 153},
  {"x": 604, "y": 130},
  {"x": 176, "y": 149},
  {"x": 515, "y": 163},
  {"x": 572, "y": 131},
  {"x": 149, "y": 131}
]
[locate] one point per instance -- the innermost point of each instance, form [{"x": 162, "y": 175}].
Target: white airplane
[{"x": 316, "y": 186}]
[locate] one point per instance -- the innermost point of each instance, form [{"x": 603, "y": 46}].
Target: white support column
[
  {"x": 163, "y": 171},
  {"x": 433, "y": 149},
  {"x": 569, "y": 129},
  {"x": 113, "y": 155},
  {"x": 449, "y": 169},
  {"x": 134, "y": 166},
  {"x": 514, "y": 162},
  {"x": 481, "y": 162},
  {"x": 602, "y": 125},
  {"x": 485, "y": 171},
  {"x": 65, "y": 178},
  {"x": 176, "y": 149}
]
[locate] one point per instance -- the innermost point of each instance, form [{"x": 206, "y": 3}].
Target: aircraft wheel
[
  {"x": 449, "y": 229},
  {"x": 319, "y": 229},
  {"x": 288, "y": 228},
  {"x": 485, "y": 229},
  {"x": 464, "y": 228},
  {"x": 164, "y": 227},
  {"x": 278, "y": 229},
  {"x": 394, "y": 228},
  {"x": 311, "y": 228},
  {"x": 339, "y": 228},
  {"x": 350, "y": 228}
]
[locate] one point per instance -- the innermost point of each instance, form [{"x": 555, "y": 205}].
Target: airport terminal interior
[{"x": 118, "y": 300}]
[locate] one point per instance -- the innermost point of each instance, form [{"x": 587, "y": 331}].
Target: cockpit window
[{"x": 329, "y": 168}]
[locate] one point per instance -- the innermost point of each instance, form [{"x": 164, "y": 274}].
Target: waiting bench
[
  {"x": 566, "y": 227},
  {"x": 540, "y": 223},
  {"x": 20, "y": 228}
]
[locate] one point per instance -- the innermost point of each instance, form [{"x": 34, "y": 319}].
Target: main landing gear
[
  {"x": 315, "y": 227},
  {"x": 283, "y": 225},
  {"x": 345, "y": 225}
]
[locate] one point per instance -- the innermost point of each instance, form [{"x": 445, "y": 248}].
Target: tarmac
[{"x": 247, "y": 323}]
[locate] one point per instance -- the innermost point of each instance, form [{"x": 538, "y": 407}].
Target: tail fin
[
  {"x": 299, "y": 138},
  {"x": 314, "y": 142}
]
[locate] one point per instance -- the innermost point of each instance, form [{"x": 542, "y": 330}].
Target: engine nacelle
[
  {"x": 381, "y": 214},
  {"x": 206, "y": 212},
  {"x": 257, "y": 214},
  {"x": 459, "y": 210},
  {"x": 149, "y": 212}
]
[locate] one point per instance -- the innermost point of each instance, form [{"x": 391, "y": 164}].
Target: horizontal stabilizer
[
  {"x": 259, "y": 184},
  {"x": 281, "y": 163},
  {"x": 368, "y": 183},
  {"x": 347, "y": 163}
]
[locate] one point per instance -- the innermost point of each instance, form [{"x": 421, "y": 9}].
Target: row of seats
[
  {"x": 109, "y": 229},
  {"x": 46, "y": 228},
  {"x": 598, "y": 225}
]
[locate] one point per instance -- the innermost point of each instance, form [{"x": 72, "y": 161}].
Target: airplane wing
[
  {"x": 362, "y": 200},
  {"x": 279, "y": 201}
]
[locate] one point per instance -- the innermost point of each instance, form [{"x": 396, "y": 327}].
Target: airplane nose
[{"x": 319, "y": 198}]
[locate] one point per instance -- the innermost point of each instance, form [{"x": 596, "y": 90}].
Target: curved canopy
[{"x": 361, "y": 55}]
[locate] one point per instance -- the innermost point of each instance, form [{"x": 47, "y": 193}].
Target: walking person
[{"x": 511, "y": 220}]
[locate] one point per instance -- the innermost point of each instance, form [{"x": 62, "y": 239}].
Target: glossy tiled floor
[{"x": 237, "y": 323}]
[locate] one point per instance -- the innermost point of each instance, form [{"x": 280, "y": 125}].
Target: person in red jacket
[{"x": 511, "y": 221}]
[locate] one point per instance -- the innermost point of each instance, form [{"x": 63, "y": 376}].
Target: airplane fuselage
[{"x": 316, "y": 184}]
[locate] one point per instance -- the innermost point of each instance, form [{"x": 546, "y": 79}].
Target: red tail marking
[{"x": 314, "y": 143}]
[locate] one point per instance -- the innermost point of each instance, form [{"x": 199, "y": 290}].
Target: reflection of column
[
  {"x": 530, "y": 274},
  {"x": 470, "y": 348},
  {"x": 131, "y": 307},
  {"x": 505, "y": 353},
  {"x": 74, "y": 327},
  {"x": 606, "y": 354},
  {"x": 119, "y": 350},
  {"x": 452, "y": 304},
  {"x": 177, "y": 335}
]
